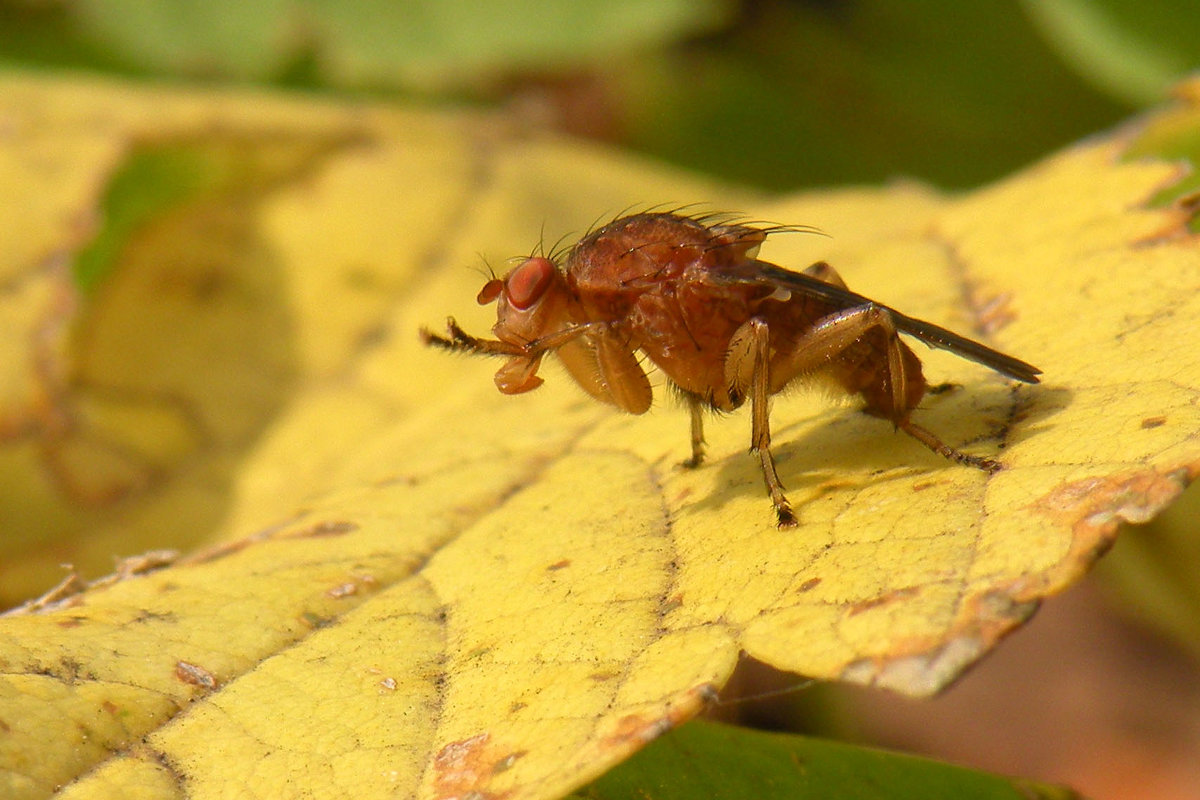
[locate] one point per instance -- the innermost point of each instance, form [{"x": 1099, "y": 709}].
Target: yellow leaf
[{"x": 412, "y": 585}]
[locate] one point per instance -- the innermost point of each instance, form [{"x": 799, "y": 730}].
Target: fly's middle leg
[
  {"x": 748, "y": 364},
  {"x": 697, "y": 417}
]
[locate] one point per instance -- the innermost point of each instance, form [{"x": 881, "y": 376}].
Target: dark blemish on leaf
[
  {"x": 313, "y": 620},
  {"x": 557, "y": 565},
  {"x": 373, "y": 336},
  {"x": 506, "y": 763},
  {"x": 1153, "y": 422},
  {"x": 809, "y": 585}
]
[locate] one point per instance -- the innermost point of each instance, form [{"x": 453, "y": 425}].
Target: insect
[{"x": 724, "y": 327}]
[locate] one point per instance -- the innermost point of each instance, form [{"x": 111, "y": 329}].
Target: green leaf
[{"x": 704, "y": 759}]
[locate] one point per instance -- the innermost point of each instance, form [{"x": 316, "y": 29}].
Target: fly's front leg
[
  {"x": 460, "y": 340},
  {"x": 519, "y": 373},
  {"x": 748, "y": 365},
  {"x": 463, "y": 342}
]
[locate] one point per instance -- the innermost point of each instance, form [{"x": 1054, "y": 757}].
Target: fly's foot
[
  {"x": 988, "y": 465},
  {"x": 942, "y": 388},
  {"x": 455, "y": 339},
  {"x": 785, "y": 517}
]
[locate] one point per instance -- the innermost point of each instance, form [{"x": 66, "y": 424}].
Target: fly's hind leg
[
  {"x": 931, "y": 440},
  {"x": 747, "y": 365},
  {"x": 898, "y": 385}
]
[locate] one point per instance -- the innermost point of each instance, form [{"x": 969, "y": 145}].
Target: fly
[{"x": 724, "y": 327}]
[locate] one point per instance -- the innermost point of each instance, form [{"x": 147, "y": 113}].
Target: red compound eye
[{"x": 528, "y": 282}]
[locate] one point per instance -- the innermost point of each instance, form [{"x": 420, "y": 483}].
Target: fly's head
[{"x": 532, "y": 303}]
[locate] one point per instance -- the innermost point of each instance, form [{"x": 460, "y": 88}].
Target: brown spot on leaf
[
  {"x": 638, "y": 729},
  {"x": 195, "y": 675},
  {"x": 463, "y": 768},
  {"x": 347, "y": 589},
  {"x": 1153, "y": 422},
  {"x": 809, "y": 585},
  {"x": 397, "y": 480},
  {"x": 557, "y": 565},
  {"x": 325, "y": 528},
  {"x": 66, "y": 589},
  {"x": 883, "y": 600},
  {"x": 995, "y": 313},
  {"x": 1092, "y": 508},
  {"x": 1099, "y": 503},
  {"x": 145, "y": 563},
  {"x": 217, "y": 553}
]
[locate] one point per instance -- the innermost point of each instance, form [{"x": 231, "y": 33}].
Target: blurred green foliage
[
  {"x": 1129, "y": 49},
  {"x": 769, "y": 93}
]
